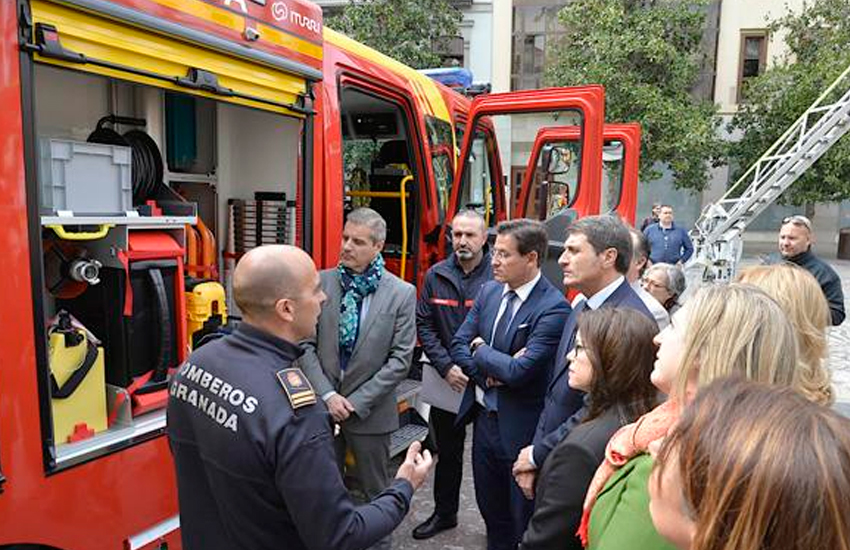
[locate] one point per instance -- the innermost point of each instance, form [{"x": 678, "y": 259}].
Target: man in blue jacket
[
  {"x": 447, "y": 295},
  {"x": 506, "y": 347},
  {"x": 668, "y": 242},
  {"x": 596, "y": 258}
]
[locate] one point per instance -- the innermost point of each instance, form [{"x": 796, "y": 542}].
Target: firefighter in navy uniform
[{"x": 252, "y": 444}]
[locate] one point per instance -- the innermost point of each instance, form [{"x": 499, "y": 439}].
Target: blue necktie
[
  {"x": 580, "y": 307},
  {"x": 501, "y": 343},
  {"x": 500, "y": 337}
]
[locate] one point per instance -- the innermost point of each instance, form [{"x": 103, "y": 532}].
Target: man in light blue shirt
[{"x": 668, "y": 242}]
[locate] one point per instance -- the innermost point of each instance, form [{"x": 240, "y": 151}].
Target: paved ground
[{"x": 469, "y": 534}]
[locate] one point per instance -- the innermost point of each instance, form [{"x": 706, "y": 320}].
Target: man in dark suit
[
  {"x": 506, "y": 346},
  {"x": 363, "y": 349},
  {"x": 596, "y": 258}
]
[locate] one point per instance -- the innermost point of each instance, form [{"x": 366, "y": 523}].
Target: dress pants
[
  {"x": 505, "y": 510},
  {"x": 371, "y": 467},
  {"x": 448, "y": 473}
]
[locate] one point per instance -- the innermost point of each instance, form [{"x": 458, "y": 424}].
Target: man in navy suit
[
  {"x": 596, "y": 258},
  {"x": 506, "y": 347}
]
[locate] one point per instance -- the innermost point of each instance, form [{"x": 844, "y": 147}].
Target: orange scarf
[{"x": 628, "y": 442}]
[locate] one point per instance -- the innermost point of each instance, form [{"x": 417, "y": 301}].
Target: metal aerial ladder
[{"x": 717, "y": 234}]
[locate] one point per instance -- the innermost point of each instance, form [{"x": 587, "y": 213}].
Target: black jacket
[
  {"x": 827, "y": 278},
  {"x": 562, "y": 401},
  {"x": 253, "y": 447},
  {"x": 447, "y": 296},
  {"x": 563, "y": 483}
]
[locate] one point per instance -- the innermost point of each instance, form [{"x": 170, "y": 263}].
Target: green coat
[{"x": 620, "y": 518}]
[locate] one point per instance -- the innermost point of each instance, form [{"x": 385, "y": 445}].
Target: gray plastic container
[{"x": 85, "y": 178}]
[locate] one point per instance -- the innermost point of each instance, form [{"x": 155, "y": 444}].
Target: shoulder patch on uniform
[{"x": 297, "y": 387}]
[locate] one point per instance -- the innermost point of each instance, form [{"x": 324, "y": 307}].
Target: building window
[
  {"x": 534, "y": 29},
  {"x": 753, "y": 58}
]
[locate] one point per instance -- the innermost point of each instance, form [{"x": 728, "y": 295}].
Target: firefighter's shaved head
[{"x": 277, "y": 286}]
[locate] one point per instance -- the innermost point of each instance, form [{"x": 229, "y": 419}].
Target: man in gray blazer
[{"x": 363, "y": 349}]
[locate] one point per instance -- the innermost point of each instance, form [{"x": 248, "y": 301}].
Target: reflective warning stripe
[{"x": 450, "y": 303}]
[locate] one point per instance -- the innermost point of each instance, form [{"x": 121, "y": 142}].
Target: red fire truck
[{"x": 150, "y": 142}]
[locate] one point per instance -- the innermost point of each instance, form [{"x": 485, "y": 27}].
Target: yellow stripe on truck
[{"x": 428, "y": 95}]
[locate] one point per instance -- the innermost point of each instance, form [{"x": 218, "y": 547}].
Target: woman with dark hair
[
  {"x": 611, "y": 361},
  {"x": 753, "y": 467}
]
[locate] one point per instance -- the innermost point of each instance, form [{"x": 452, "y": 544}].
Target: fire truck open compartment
[{"x": 231, "y": 169}]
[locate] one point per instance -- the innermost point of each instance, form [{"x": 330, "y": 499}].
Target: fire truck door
[
  {"x": 620, "y": 166},
  {"x": 568, "y": 175}
]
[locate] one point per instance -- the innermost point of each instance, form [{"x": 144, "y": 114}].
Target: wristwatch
[{"x": 473, "y": 347}]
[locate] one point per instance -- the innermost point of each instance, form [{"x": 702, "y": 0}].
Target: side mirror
[{"x": 560, "y": 160}]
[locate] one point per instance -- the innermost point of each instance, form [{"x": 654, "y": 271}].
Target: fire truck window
[
  {"x": 613, "y": 154},
  {"x": 556, "y": 177},
  {"x": 478, "y": 187},
  {"x": 552, "y": 176},
  {"x": 440, "y": 142},
  {"x": 377, "y": 161}
]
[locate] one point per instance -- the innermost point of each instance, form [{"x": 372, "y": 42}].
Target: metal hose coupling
[{"x": 85, "y": 271}]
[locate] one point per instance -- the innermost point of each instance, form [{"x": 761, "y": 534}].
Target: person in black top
[
  {"x": 653, "y": 217},
  {"x": 611, "y": 361},
  {"x": 252, "y": 444},
  {"x": 795, "y": 246},
  {"x": 448, "y": 292}
]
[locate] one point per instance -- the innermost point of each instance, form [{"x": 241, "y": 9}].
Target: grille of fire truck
[{"x": 717, "y": 232}]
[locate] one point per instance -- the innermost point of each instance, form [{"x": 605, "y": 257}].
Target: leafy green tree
[
  {"x": 403, "y": 29},
  {"x": 647, "y": 54},
  {"x": 818, "y": 40}
]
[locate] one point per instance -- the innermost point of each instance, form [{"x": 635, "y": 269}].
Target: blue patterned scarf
[{"x": 355, "y": 287}]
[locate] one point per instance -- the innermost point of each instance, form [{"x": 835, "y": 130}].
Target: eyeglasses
[
  {"x": 649, "y": 282},
  {"x": 798, "y": 220},
  {"x": 501, "y": 254}
]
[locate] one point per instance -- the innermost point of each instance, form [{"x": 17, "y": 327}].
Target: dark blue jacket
[
  {"x": 828, "y": 279},
  {"x": 256, "y": 467},
  {"x": 562, "y": 402},
  {"x": 536, "y": 326},
  {"x": 668, "y": 245},
  {"x": 447, "y": 296}
]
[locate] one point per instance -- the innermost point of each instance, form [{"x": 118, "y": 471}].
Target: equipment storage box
[{"x": 84, "y": 178}]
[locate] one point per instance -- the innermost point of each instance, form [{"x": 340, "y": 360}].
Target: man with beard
[
  {"x": 795, "y": 246},
  {"x": 447, "y": 296}
]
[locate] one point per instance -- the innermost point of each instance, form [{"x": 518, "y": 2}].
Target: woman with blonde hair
[
  {"x": 722, "y": 330},
  {"x": 753, "y": 467},
  {"x": 799, "y": 294}
]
